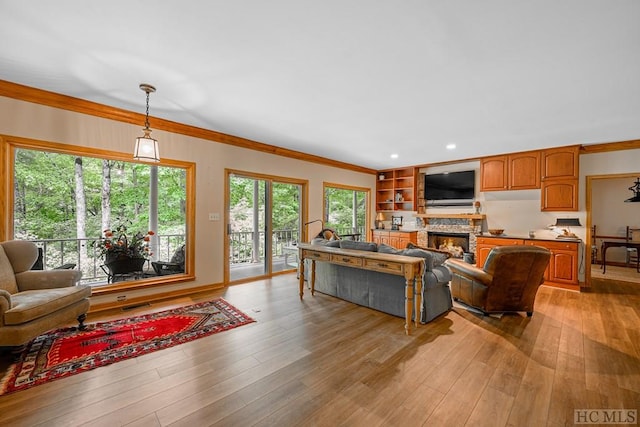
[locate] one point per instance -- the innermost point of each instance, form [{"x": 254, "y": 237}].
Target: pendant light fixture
[{"x": 146, "y": 148}]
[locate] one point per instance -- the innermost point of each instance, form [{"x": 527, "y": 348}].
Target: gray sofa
[{"x": 382, "y": 291}]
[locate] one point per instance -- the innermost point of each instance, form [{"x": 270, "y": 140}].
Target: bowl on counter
[{"x": 496, "y": 231}]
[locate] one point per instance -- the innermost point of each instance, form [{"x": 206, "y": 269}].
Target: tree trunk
[
  {"x": 106, "y": 194},
  {"x": 81, "y": 212}
]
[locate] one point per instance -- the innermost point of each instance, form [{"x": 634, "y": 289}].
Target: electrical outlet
[{"x": 214, "y": 216}]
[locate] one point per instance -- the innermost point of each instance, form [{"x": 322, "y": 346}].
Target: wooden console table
[
  {"x": 609, "y": 244},
  {"x": 410, "y": 268}
]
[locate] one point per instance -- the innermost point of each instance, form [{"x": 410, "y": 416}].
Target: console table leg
[
  {"x": 418, "y": 297},
  {"x": 408, "y": 307},
  {"x": 313, "y": 276},
  {"x": 301, "y": 270}
]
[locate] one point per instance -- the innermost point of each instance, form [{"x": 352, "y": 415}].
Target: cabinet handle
[
  {"x": 346, "y": 259},
  {"x": 383, "y": 265}
]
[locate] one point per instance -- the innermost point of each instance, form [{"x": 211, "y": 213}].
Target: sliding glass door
[{"x": 264, "y": 216}]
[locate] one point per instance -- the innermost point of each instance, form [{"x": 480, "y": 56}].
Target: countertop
[{"x": 526, "y": 237}]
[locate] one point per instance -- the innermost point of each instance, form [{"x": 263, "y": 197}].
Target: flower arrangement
[{"x": 116, "y": 243}]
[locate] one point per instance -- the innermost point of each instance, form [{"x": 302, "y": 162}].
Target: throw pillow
[
  {"x": 439, "y": 256},
  {"x": 325, "y": 242},
  {"x": 361, "y": 246}
]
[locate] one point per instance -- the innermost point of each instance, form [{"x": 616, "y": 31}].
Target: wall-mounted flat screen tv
[{"x": 450, "y": 188}]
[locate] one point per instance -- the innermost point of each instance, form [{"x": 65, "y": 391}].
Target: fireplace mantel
[{"x": 472, "y": 218}]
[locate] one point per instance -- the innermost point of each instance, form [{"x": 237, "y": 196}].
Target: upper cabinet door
[
  {"x": 524, "y": 170},
  {"x": 560, "y": 163},
  {"x": 493, "y": 173}
]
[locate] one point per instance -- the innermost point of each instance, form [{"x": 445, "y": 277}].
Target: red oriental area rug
[{"x": 64, "y": 352}]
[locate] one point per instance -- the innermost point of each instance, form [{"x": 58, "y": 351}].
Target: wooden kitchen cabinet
[
  {"x": 493, "y": 173},
  {"x": 559, "y": 195},
  {"x": 397, "y": 239},
  {"x": 518, "y": 171},
  {"x": 560, "y": 163},
  {"x": 563, "y": 265},
  {"x": 560, "y": 173}
]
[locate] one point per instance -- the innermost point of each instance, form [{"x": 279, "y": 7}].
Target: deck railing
[
  {"x": 87, "y": 259},
  {"x": 82, "y": 252},
  {"x": 241, "y": 247}
]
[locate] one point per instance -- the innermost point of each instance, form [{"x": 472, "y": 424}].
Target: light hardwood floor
[{"x": 322, "y": 361}]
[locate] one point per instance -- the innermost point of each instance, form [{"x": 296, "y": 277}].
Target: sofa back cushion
[
  {"x": 7, "y": 277},
  {"x": 360, "y": 246},
  {"x": 386, "y": 249}
]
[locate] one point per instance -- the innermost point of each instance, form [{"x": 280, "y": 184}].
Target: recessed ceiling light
[
  {"x": 394, "y": 156},
  {"x": 451, "y": 146}
]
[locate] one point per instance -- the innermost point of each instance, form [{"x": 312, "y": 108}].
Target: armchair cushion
[{"x": 30, "y": 305}]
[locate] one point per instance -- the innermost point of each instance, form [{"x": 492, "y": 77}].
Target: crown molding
[{"x": 64, "y": 102}]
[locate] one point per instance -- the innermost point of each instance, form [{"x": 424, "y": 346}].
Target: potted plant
[{"x": 124, "y": 252}]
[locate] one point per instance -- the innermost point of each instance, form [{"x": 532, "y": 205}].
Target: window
[
  {"x": 64, "y": 197},
  {"x": 346, "y": 210}
]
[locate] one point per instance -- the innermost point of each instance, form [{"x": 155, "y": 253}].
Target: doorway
[
  {"x": 264, "y": 224},
  {"x": 609, "y": 218}
]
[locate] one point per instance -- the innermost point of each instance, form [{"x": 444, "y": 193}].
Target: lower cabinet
[
  {"x": 563, "y": 266},
  {"x": 485, "y": 244},
  {"x": 397, "y": 239}
]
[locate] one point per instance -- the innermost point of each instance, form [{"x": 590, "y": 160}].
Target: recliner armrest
[
  {"x": 467, "y": 270},
  {"x": 46, "y": 279}
]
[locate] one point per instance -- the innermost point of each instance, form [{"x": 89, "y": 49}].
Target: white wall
[{"x": 24, "y": 119}]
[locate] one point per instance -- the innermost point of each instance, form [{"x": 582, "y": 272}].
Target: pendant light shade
[{"x": 146, "y": 148}]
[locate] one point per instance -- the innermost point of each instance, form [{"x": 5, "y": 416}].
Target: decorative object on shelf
[
  {"x": 566, "y": 232},
  {"x": 635, "y": 188},
  {"x": 476, "y": 205},
  {"x": 399, "y": 197},
  {"x": 396, "y": 222},
  {"x": 379, "y": 221},
  {"x": 381, "y": 176},
  {"x": 532, "y": 234},
  {"x": 146, "y": 148},
  {"x": 496, "y": 231}
]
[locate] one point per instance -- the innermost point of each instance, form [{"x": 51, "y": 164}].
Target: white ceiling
[{"x": 353, "y": 80}]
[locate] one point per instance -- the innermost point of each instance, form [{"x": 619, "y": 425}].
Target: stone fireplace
[{"x": 455, "y": 230}]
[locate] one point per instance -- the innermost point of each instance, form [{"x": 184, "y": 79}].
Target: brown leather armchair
[{"x": 508, "y": 281}]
